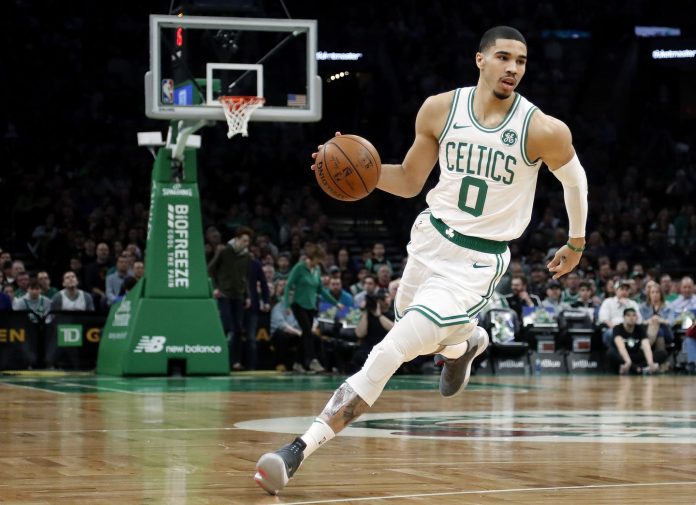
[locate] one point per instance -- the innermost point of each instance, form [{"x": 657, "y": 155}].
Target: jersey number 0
[{"x": 467, "y": 183}]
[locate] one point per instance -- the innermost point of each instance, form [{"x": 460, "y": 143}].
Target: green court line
[{"x": 249, "y": 382}]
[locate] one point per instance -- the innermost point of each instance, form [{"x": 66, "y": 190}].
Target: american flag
[{"x": 297, "y": 100}]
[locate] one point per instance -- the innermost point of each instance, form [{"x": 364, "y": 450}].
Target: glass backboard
[{"x": 196, "y": 59}]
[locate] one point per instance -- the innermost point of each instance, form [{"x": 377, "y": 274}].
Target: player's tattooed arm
[{"x": 344, "y": 407}]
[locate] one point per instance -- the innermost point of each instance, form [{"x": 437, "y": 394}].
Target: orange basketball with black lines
[{"x": 348, "y": 168}]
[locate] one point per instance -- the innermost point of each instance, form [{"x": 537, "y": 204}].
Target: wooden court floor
[{"x": 79, "y": 439}]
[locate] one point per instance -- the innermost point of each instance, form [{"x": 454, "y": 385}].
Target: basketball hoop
[{"x": 237, "y": 110}]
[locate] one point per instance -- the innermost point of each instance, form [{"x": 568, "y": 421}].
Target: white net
[{"x": 237, "y": 110}]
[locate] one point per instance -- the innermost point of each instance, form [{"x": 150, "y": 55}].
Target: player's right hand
[
  {"x": 316, "y": 153},
  {"x": 563, "y": 262}
]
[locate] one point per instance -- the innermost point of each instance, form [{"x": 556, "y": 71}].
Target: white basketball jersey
[{"x": 487, "y": 182}]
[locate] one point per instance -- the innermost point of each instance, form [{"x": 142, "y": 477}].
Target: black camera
[{"x": 371, "y": 300}]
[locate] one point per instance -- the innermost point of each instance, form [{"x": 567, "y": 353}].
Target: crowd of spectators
[{"x": 76, "y": 187}]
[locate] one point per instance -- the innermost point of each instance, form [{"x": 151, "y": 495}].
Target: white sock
[
  {"x": 318, "y": 434},
  {"x": 456, "y": 350}
]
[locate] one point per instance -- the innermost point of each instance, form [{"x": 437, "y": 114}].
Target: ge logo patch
[{"x": 509, "y": 137}]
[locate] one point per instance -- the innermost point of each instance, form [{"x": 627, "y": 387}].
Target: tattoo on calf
[{"x": 346, "y": 402}]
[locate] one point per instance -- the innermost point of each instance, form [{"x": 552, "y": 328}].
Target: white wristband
[{"x": 574, "y": 181}]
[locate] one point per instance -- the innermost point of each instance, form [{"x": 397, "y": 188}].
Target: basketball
[{"x": 348, "y": 168}]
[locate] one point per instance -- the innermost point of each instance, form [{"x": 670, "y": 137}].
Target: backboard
[{"x": 196, "y": 59}]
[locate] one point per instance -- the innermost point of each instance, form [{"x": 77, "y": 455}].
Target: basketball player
[{"x": 490, "y": 143}]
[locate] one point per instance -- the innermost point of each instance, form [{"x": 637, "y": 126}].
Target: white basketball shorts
[{"x": 449, "y": 277}]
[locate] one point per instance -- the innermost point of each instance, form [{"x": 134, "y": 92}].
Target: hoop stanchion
[{"x": 238, "y": 110}]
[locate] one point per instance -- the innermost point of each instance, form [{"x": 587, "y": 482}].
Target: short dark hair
[
  {"x": 585, "y": 284},
  {"x": 34, "y": 284},
  {"x": 500, "y": 32},
  {"x": 244, "y": 230},
  {"x": 521, "y": 277},
  {"x": 628, "y": 310}
]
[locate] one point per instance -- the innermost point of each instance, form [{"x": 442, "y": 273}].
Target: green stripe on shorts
[{"x": 437, "y": 318}]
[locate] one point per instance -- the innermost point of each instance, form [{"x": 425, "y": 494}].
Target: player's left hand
[
  {"x": 316, "y": 153},
  {"x": 563, "y": 262}
]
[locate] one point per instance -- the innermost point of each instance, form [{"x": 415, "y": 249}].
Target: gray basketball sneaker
[
  {"x": 275, "y": 469},
  {"x": 455, "y": 372}
]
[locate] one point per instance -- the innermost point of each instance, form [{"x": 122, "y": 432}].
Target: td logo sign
[{"x": 69, "y": 335}]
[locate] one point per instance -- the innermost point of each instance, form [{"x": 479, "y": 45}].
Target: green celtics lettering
[{"x": 497, "y": 166}]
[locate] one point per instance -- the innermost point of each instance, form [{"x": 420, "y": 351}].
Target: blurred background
[{"x": 618, "y": 72}]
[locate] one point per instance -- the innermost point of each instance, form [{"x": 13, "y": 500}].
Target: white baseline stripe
[
  {"x": 116, "y": 430},
  {"x": 102, "y": 388},
  {"x": 495, "y": 491},
  {"x": 32, "y": 387}
]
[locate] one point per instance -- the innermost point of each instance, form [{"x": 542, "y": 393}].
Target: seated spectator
[
  {"x": 70, "y": 297},
  {"x": 347, "y": 278},
  {"x": 334, "y": 272},
  {"x": 586, "y": 300},
  {"x": 370, "y": 287},
  {"x": 263, "y": 240},
  {"x": 571, "y": 293},
  {"x": 278, "y": 291},
  {"x": 686, "y": 299},
  {"x": 286, "y": 337},
  {"x": 553, "y": 297},
  {"x": 340, "y": 294},
  {"x": 384, "y": 274},
  {"x": 377, "y": 259},
  {"x": 630, "y": 349},
  {"x": 21, "y": 283},
  {"x": 358, "y": 287},
  {"x": 585, "y": 296},
  {"x": 138, "y": 270},
  {"x": 115, "y": 280},
  {"x": 269, "y": 274},
  {"x": 520, "y": 297},
  {"x": 634, "y": 290},
  {"x": 344, "y": 262},
  {"x": 134, "y": 252},
  {"x": 606, "y": 289},
  {"x": 45, "y": 282},
  {"x": 17, "y": 268},
  {"x": 284, "y": 266},
  {"x": 9, "y": 291},
  {"x": 34, "y": 302},
  {"x": 372, "y": 326},
  {"x": 538, "y": 280},
  {"x": 76, "y": 266},
  {"x": 640, "y": 282},
  {"x": 605, "y": 280},
  {"x": 612, "y": 309},
  {"x": 658, "y": 318},
  {"x": 666, "y": 287}
]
